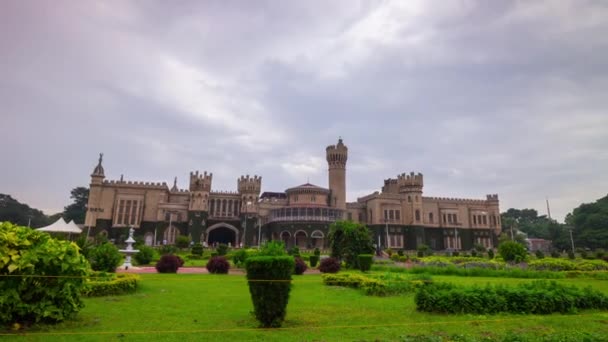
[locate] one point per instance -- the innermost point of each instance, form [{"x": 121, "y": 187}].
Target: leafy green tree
[
  {"x": 347, "y": 240},
  {"x": 78, "y": 209},
  {"x": 512, "y": 251},
  {"x": 590, "y": 224},
  {"x": 18, "y": 213}
]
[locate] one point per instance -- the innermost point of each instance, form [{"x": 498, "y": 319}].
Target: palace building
[{"x": 398, "y": 216}]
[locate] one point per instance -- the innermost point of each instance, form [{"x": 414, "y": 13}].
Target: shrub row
[
  {"x": 377, "y": 285},
  {"x": 538, "y": 297},
  {"x": 115, "y": 284},
  {"x": 568, "y": 265}
]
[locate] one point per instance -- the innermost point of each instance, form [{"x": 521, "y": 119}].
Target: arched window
[
  {"x": 431, "y": 218},
  {"x": 417, "y": 215}
]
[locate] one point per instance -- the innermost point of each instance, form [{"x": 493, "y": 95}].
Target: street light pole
[{"x": 571, "y": 240}]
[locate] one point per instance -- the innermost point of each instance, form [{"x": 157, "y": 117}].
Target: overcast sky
[{"x": 480, "y": 96}]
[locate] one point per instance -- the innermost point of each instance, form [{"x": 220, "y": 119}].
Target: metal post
[
  {"x": 259, "y": 233},
  {"x": 386, "y": 227},
  {"x": 29, "y": 220},
  {"x": 572, "y": 240}
]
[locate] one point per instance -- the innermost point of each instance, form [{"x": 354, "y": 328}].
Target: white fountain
[{"x": 128, "y": 251}]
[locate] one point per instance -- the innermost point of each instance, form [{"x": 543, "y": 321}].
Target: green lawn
[{"x": 217, "y": 308}]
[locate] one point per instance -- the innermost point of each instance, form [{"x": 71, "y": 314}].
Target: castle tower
[
  {"x": 336, "y": 160},
  {"x": 249, "y": 190},
  {"x": 97, "y": 178},
  {"x": 410, "y": 186},
  {"x": 200, "y": 186}
]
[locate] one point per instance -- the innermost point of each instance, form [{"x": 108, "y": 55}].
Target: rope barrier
[{"x": 353, "y": 326}]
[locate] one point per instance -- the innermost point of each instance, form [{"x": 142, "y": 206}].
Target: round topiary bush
[
  {"x": 329, "y": 265},
  {"x": 169, "y": 263},
  {"x": 300, "y": 266},
  {"x": 512, "y": 251},
  {"x": 25, "y": 254},
  {"x": 218, "y": 265},
  {"x": 269, "y": 285},
  {"x": 105, "y": 257},
  {"x": 222, "y": 249},
  {"x": 145, "y": 255},
  {"x": 539, "y": 254}
]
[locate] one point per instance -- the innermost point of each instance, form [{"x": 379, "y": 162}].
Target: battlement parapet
[
  {"x": 492, "y": 197},
  {"x": 456, "y": 200},
  {"x": 224, "y": 192},
  {"x": 200, "y": 181},
  {"x": 136, "y": 184},
  {"x": 410, "y": 182},
  {"x": 249, "y": 184}
]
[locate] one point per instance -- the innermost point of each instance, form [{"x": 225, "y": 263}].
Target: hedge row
[
  {"x": 539, "y": 297},
  {"x": 376, "y": 285},
  {"x": 115, "y": 284}
]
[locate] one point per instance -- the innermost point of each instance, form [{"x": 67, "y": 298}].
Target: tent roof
[{"x": 60, "y": 226}]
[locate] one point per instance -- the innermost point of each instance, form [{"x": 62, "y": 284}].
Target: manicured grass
[{"x": 195, "y": 307}]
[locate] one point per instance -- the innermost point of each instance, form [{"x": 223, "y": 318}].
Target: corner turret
[
  {"x": 249, "y": 190},
  {"x": 98, "y": 174},
  {"x": 200, "y": 186}
]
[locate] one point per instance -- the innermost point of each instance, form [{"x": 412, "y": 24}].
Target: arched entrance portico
[{"x": 222, "y": 233}]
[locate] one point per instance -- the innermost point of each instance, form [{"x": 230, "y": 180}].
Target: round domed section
[{"x": 307, "y": 194}]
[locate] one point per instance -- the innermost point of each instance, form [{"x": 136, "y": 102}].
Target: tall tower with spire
[
  {"x": 97, "y": 178},
  {"x": 336, "y": 160}
]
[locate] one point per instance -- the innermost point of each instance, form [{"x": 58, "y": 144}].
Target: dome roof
[
  {"x": 98, "y": 171},
  {"x": 307, "y": 187}
]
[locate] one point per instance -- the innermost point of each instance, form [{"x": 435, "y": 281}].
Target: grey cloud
[{"x": 481, "y": 97}]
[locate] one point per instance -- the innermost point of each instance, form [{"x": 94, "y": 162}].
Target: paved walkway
[{"x": 195, "y": 270}]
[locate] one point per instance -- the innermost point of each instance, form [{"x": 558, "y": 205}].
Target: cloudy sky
[{"x": 480, "y": 96}]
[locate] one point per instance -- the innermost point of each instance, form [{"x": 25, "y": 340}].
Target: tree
[
  {"x": 590, "y": 224},
  {"x": 78, "y": 209},
  {"x": 21, "y": 214},
  {"x": 347, "y": 240},
  {"x": 512, "y": 251}
]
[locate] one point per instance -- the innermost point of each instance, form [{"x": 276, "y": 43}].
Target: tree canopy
[
  {"x": 528, "y": 221},
  {"x": 78, "y": 209},
  {"x": 590, "y": 224},
  {"x": 347, "y": 240},
  {"x": 18, "y": 213}
]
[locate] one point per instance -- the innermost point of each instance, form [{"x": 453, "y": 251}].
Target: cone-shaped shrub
[
  {"x": 365, "y": 262},
  {"x": 269, "y": 284},
  {"x": 314, "y": 260}
]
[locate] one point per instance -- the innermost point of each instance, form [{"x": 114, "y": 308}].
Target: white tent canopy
[{"x": 60, "y": 226}]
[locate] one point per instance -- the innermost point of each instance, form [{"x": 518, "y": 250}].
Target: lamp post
[
  {"x": 571, "y": 240},
  {"x": 259, "y": 233},
  {"x": 386, "y": 227}
]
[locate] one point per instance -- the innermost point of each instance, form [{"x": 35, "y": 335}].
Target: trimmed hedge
[
  {"x": 538, "y": 297},
  {"x": 365, "y": 261},
  {"x": 111, "y": 284},
  {"x": 377, "y": 285},
  {"x": 270, "y": 297},
  {"x": 197, "y": 249},
  {"x": 218, "y": 265}
]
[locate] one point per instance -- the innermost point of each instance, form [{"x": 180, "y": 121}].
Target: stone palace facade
[{"x": 398, "y": 216}]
